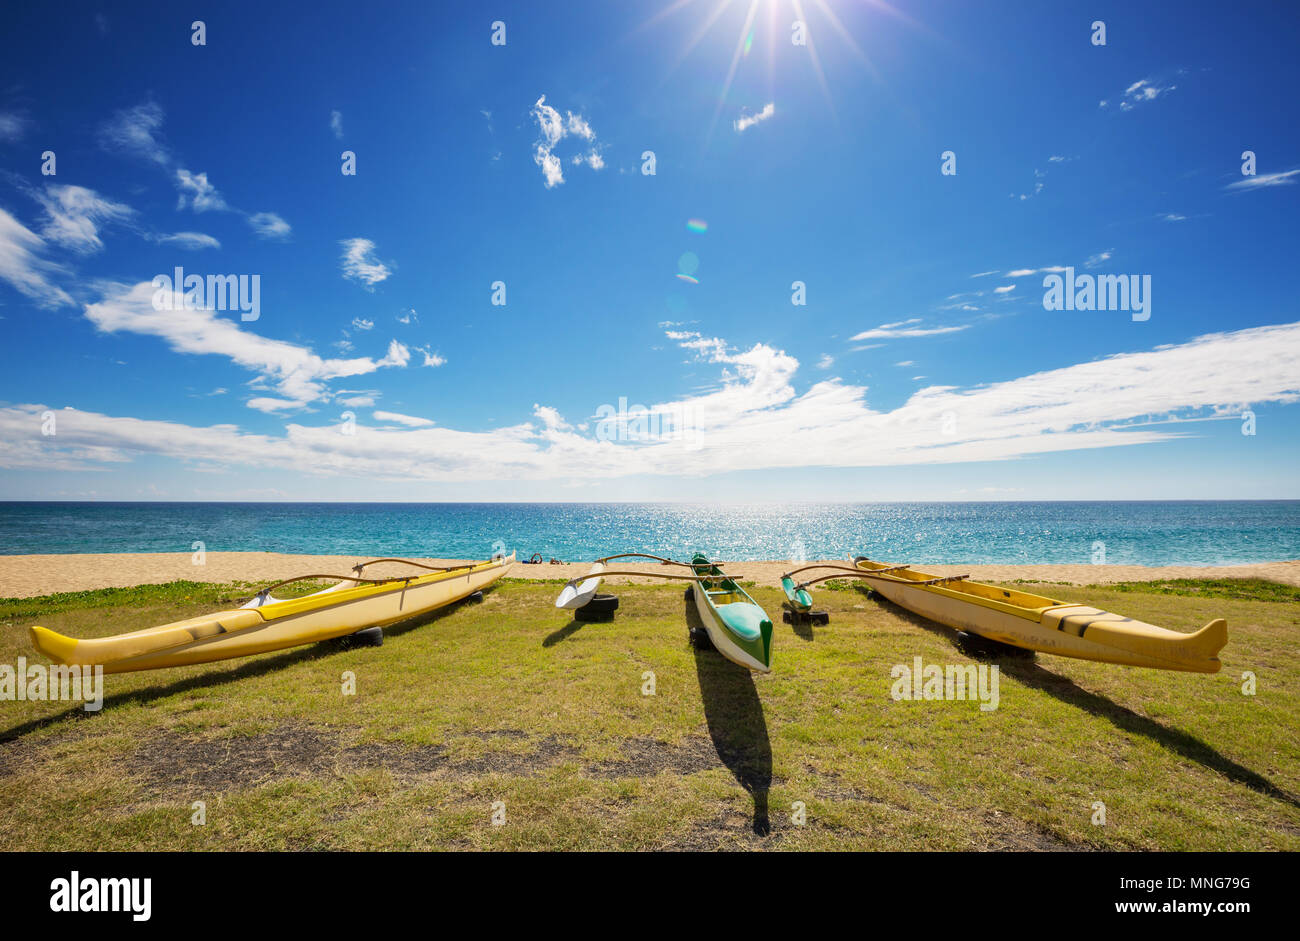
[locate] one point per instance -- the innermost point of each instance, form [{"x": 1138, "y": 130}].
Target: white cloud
[
  {"x": 746, "y": 121},
  {"x": 268, "y": 225},
  {"x": 189, "y": 240},
  {"x": 553, "y": 128},
  {"x": 985, "y": 274},
  {"x": 356, "y": 401},
  {"x": 1121, "y": 400},
  {"x": 134, "y": 132},
  {"x": 1285, "y": 178},
  {"x": 336, "y": 124},
  {"x": 431, "y": 358},
  {"x": 578, "y": 126},
  {"x": 22, "y": 267},
  {"x": 1004, "y": 289},
  {"x": 1098, "y": 259},
  {"x": 297, "y": 374},
  {"x": 1140, "y": 92},
  {"x": 903, "y": 329},
  {"x": 360, "y": 263},
  {"x": 12, "y": 126},
  {"x": 74, "y": 215},
  {"x": 1174, "y": 217},
  {"x": 906, "y": 362},
  {"x": 361, "y": 323},
  {"x": 398, "y": 418},
  {"x": 197, "y": 192},
  {"x": 826, "y": 362},
  {"x": 408, "y": 316},
  {"x": 1026, "y": 272}
]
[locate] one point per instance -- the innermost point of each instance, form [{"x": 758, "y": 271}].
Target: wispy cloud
[
  {"x": 360, "y": 263},
  {"x": 431, "y": 358},
  {"x": 1285, "y": 178},
  {"x": 12, "y": 127},
  {"x": 1142, "y": 91},
  {"x": 1026, "y": 272},
  {"x": 267, "y": 225},
  {"x": 336, "y": 124},
  {"x": 192, "y": 241},
  {"x": 410, "y": 421},
  {"x": 553, "y": 128},
  {"x": 196, "y": 192},
  {"x": 296, "y": 374},
  {"x": 75, "y": 214},
  {"x": 23, "y": 267},
  {"x": 904, "y": 329},
  {"x": 746, "y": 121},
  {"x": 135, "y": 132}
]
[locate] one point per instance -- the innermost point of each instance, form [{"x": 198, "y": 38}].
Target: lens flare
[
  {"x": 688, "y": 279},
  {"x": 697, "y": 225}
]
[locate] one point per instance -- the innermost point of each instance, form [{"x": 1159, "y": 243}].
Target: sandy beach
[{"x": 25, "y": 576}]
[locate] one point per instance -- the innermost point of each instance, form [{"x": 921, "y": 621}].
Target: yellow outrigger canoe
[
  {"x": 1030, "y": 621},
  {"x": 267, "y": 623}
]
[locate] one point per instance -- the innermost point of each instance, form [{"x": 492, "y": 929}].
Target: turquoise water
[{"x": 1145, "y": 533}]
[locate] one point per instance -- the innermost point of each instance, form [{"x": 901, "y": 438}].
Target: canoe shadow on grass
[
  {"x": 240, "y": 670},
  {"x": 736, "y": 724},
  {"x": 1031, "y": 674},
  {"x": 563, "y": 633}
]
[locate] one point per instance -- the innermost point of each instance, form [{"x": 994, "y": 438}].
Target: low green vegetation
[{"x": 509, "y": 707}]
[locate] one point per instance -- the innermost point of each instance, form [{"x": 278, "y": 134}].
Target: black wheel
[
  {"x": 982, "y": 648},
  {"x": 599, "y": 608},
  {"x": 475, "y": 598}
]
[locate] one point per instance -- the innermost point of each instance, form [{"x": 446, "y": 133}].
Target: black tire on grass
[{"x": 600, "y": 608}]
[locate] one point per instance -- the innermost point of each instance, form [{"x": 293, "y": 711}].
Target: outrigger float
[
  {"x": 737, "y": 626},
  {"x": 1028, "y": 621},
  {"x": 267, "y": 623}
]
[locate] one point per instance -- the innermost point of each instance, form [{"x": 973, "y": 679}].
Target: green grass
[{"x": 510, "y": 701}]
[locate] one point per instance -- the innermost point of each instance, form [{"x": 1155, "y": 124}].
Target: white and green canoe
[{"x": 740, "y": 629}]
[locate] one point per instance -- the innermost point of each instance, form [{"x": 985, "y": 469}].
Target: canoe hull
[
  {"x": 753, "y": 653},
  {"x": 1067, "y": 630},
  {"x": 231, "y": 634}
]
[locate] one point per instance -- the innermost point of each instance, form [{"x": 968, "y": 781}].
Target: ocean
[{"x": 1142, "y": 533}]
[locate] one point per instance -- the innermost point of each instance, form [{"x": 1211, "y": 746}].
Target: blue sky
[{"x": 923, "y": 364}]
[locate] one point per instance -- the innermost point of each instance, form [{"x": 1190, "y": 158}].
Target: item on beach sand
[
  {"x": 265, "y": 623},
  {"x": 738, "y": 628},
  {"x": 1035, "y": 622}
]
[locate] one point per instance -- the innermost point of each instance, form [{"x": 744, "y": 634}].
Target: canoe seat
[{"x": 743, "y": 618}]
